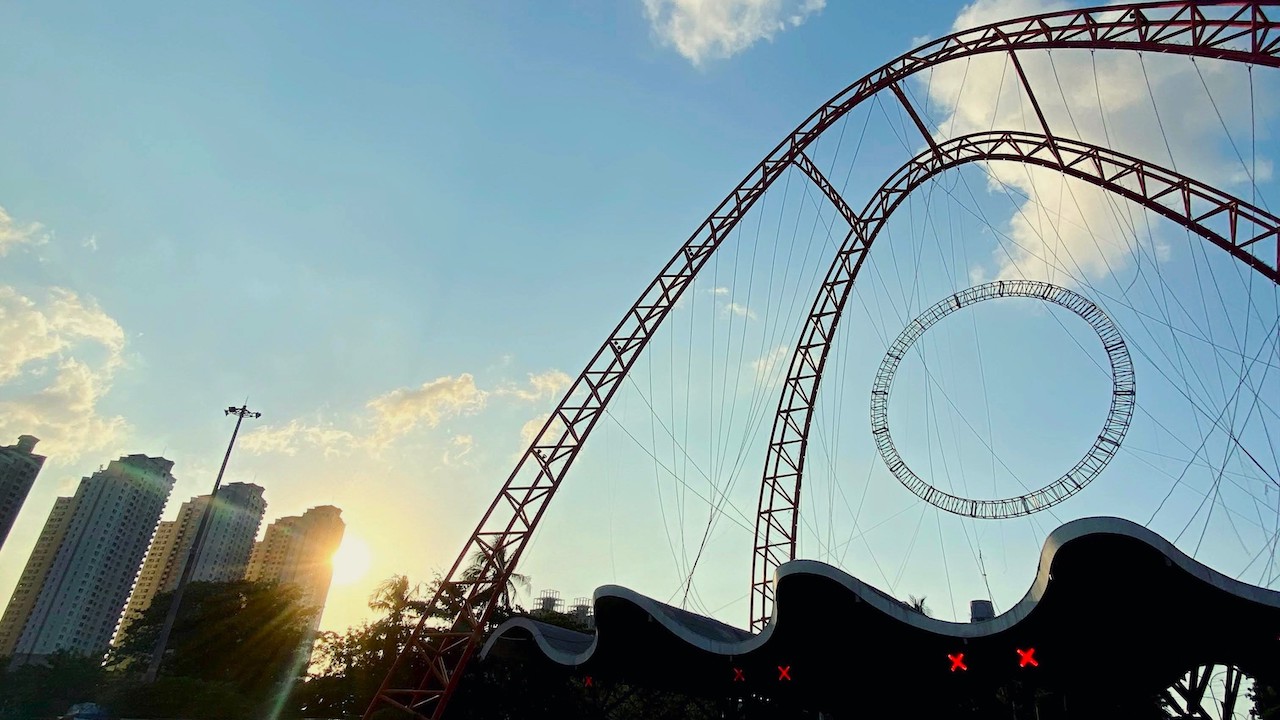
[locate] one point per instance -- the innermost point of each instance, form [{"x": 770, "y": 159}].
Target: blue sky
[{"x": 398, "y": 230}]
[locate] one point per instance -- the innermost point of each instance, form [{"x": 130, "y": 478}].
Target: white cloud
[
  {"x": 460, "y": 446},
  {"x": 35, "y": 332},
  {"x": 738, "y": 309},
  {"x": 403, "y": 409},
  {"x": 541, "y": 386},
  {"x": 729, "y": 307},
  {"x": 702, "y": 30},
  {"x": 64, "y": 414},
  {"x": 530, "y": 430},
  {"x": 395, "y": 414},
  {"x": 12, "y": 234},
  {"x": 289, "y": 439},
  {"x": 766, "y": 366},
  {"x": 58, "y": 359},
  {"x": 1077, "y": 227},
  {"x": 983, "y": 12}
]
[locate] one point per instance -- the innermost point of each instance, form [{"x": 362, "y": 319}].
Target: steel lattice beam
[
  {"x": 1100, "y": 452},
  {"x": 1249, "y": 233},
  {"x": 1227, "y": 30}
]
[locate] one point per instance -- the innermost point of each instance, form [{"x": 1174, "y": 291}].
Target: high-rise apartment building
[
  {"x": 224, "y": 553},
  {"x": 85, "y": 561},
  {"x": 33, "y": 576},
  {"x": 299, "y": 549},
  {"x": 18, "y": 469}
]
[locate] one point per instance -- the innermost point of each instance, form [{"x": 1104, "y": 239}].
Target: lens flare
[{"x": 351, "y": 561}]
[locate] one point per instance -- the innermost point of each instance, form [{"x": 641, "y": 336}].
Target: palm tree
[
  {"x": 917, "y": 604},
  {"x": 396, "y": 597},
  {"x": 507, "y": 591}
]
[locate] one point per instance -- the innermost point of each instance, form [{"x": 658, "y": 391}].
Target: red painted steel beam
[
  {"x": 915, "y": 116},
  {"x": 807, "y": 166},
  {"x": 1233, "y": 31},
  {"x": 1247, "y": 232}
]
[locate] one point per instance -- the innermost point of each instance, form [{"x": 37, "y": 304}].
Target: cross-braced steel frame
[
  {"x": 1236, "y": 31},
  {"x": 1247, "y": 232}
]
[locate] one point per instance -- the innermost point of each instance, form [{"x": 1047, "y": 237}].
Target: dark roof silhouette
[{"x": 1115, "y": 612}]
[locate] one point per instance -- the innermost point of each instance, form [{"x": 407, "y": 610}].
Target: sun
[{"x": 351, "y": 561}]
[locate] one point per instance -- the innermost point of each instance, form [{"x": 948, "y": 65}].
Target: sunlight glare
[{"x": 351, "y": 561}]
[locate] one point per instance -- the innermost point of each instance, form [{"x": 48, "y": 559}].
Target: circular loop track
[{"x": 1099, "y": 454}]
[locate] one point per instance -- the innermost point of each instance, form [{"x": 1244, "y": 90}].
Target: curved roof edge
[{"x": 571, "y": 648}]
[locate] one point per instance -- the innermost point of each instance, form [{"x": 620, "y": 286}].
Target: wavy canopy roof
[{"x": 1116, "y": 613}]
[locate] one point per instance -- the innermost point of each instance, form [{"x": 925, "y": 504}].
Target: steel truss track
[
  {"x": 1232, "y": 224},
  {"x": 1241, "y": 32},
  {"x": 1082, "y": 473}
]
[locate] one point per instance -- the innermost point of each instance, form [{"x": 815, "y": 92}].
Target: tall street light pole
[{"x": 157, "y": 655}]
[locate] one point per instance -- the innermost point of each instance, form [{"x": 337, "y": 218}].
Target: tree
[
  {"x": 917, "y": 604},
  {"x": 247, "y": 635},
  {"x": 396, "y": 597},
  {"x": 183, "y": 697},
  {"x": 1266, "y": 700},
  {"x": 45, "y": 690},
  {"x": 350, "y": 666},
  {"x": 508, "y": 590}
]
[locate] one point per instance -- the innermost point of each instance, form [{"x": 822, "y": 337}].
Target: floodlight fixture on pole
[{"x": 157, "y": 655}]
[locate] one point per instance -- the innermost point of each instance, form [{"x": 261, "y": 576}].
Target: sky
[{"x": 399, "y": 231}]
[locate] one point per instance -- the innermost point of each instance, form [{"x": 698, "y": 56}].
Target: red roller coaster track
[
  {"x": 1240, "y": 32},
  {"x": 1241, "y": 229}
]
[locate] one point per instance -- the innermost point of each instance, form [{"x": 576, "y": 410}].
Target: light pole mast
[{"x": 157, "y": 655}]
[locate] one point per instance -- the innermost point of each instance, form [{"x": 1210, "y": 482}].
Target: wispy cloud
[
  {"x": 766, "y": 367},
  {"x": 13, "y": 234},
  {"x": 460, "y": 446},
  {"x": 730, "y": 307},
  {"x": 534, "y": 429},
  {"x": 541, "y": 386},
  {"x": 738, "y": 309},
  {"x": 403, "y": 409},
  {"x": 387, "y": 418},
  {"x": 296, "y": 435},
  {"x": 399, "y": 412},
  {"x": 703, "y": 30}
]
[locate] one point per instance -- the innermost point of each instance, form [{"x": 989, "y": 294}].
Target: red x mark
[
  {"x": 784, "y": 673},
  {"x": 588, "y": 683},
  {"x": 1027, "y": 657},
  {"x": 738, "y": 676},
  {"x": 957, "y": 662}
]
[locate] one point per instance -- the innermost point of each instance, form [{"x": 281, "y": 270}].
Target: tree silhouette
[
  {"x": 243, "y": 634},
  {"x": 508, "y": 590},
  {"x": 917, "y": 604}
]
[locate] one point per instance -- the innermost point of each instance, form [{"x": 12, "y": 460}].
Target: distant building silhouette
[
  {"x": 74, "y": 587},
  {"x": 299, "y": 550},
  {"x": 224, "y": 554},
  {"x": 18, "y": 469}
]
